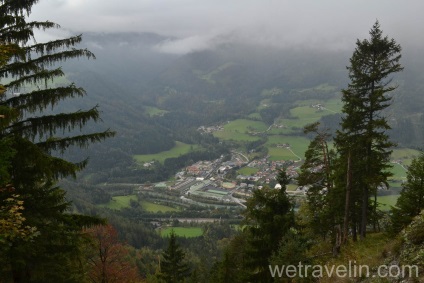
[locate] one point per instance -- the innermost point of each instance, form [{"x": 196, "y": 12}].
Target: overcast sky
[{"x": 202, "y": 24}]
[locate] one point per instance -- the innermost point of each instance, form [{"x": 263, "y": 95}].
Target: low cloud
[{"x": 200, "y": 25}]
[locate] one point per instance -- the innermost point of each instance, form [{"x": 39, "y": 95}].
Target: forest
[{"x": 63, "y": 161}]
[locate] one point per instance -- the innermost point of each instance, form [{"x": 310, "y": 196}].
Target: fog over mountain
[{"x": 192, "y": 25}]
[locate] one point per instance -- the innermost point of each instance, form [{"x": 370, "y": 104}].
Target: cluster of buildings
[
  {"x": 210, "y": 129},
  {"x": 206, "y": 179}
]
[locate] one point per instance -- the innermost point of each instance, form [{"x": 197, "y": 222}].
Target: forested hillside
[{"x": 158, "y": 99}]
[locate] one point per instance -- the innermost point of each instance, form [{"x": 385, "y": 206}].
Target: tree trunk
[{"x": 347, "y": 201}]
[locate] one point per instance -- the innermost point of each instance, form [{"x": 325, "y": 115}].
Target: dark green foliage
[
  {"x": 53, "y": 253},
  {"x": 173, "y": 268},
  {"x": 270, "y": 215},
  {"x": 292, "y": 251},
  {"x": 411, "y": 199},
  {"x": 364, "y": 134},
  {"x": 316, "y": 175}
]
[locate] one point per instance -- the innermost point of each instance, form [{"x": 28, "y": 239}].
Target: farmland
[
  {"x": 154, "y": 207},
  {"x": 241, "y": 130},
  {"x": 188, "y": 232},
  {"x": 120, "y": 202}
]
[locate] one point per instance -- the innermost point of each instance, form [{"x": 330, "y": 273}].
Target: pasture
[
  {"x": 386, "y": 202},
  {"x": 154, "y": 111},
  {"x": 247, "y": 171},
  {"x": 241, "y": 130},
  {"x": 119, "y": 202},
  {"x": 298, "y": 146},
  {"x": 154, "y": 207},
  {"x": 405, "y": 155},
  {"x": 188, "y": 232}
]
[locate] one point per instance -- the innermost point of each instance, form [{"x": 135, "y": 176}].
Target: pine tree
[
  {"x": 363, "y": 135},
  {"x": 270, "y": 215},
  {"x": 316, "y": 174},
  {"x": 411, "y": 199},
  {"x": 173, "y": 268},
  {"x": 34, "y": 137}
]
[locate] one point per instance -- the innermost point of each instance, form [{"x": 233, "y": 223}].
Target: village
[{"x": 218, "y": 181}]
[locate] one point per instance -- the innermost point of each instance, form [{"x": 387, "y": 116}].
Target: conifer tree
[
  {"x": 270, "y": 215},
  {"x": 363, "y": 135},
  {"x": 411, "y": 199},
  {"x": 33, "y": 137},
  {"x": 173, "y": 268},
  {"x": 316, "y": 176}
]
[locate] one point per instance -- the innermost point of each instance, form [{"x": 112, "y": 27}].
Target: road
[{"x": 241, "y": 154}]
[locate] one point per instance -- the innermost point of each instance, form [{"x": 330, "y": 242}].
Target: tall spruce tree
[
  {"x": 33, "y": 137},
  {"x": 363, "y": 142},
  {"x": 173, "y": 268},
  {"x": 270, "y": 215}
]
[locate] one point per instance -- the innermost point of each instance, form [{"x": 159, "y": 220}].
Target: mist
[{"x": 192, "y": 26}]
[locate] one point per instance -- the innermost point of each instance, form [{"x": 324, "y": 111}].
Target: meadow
[
  {"x": 247, "y": 171},
  {"x": 298, "y": 146},
  {"x": 405, "y": 155},
  {"x": 188, "y": 232},
  {"x": 179, "y": 149},
  {"x": 238, "y": 130},
  {"x": 154, "y": 111},
  {"x": 386, "y": 202},
  {"x": 119, "y": 202}
]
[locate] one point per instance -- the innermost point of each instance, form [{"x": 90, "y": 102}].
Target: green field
[
  {"x": 292, "y": 187},
  {"x": 399, "y": 173},
  {"x": 154, "y": 207},
  {"x": 255, "y": 116},
  {"x": 405, "y": 155},
  {"x": 247, "y": 171},
  {"x": 297, "y": 144},
  {"x": 188, "y": 232},
  {"x": 154, "y": 111},
  {"x": 386, "y": 202},
  {"x": 119, "y": 202},
  {"x": 303, "y": 114},
  {"x": 240, "y": 130},
  {"x": 178, "y": 150}
]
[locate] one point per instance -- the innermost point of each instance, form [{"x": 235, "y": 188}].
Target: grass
[
  {"x": 303, "y": 114},
  {"x": 119, "y": 202},
  {"x": 154, "y": 207},
  {"x": 405, "y": 155},
  {"x": 297, "y": 144},
  {"x": 291, "y": 187},
  {"x": 240, "y": 130},
  {"x": 209, "y": 77},
  {"x": 308, "y": 114},
  {"x": 369, "y": 252},
  {"x": 247, "y": 171},
  {"x": 154, "y": 111},
  {"x": 399, "y": 173},
  {"x": 178, "y": 150},
  {"x": 188, "y": 232},
  {"x": 272, "y": 92},
  {"x": 255, "y": 116},
  {"x": 386, "y": 202},
  {"x": 265, "y": 103}
]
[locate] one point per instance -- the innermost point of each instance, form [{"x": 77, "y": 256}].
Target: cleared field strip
[
  {"x": 188, "y": 232},
  {"x": 178, "y": 150}
]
